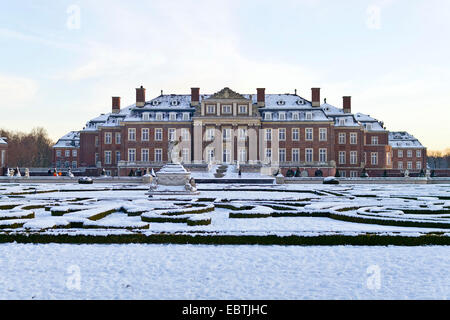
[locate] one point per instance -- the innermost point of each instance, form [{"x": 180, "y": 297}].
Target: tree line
[
  {"x": 439, "y": 159},
  {"x": 29, "y": 150}
]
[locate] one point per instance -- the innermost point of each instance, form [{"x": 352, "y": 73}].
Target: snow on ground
[{"x": 222, "y": 272}]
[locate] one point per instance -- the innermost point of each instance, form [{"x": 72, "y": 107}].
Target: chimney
[
  {"x": 261, "y": 97},
  {"x": 195, "y": 97},
  {"x": 347, "y": 101},
  {"x": 315, "y": 97},
  {"x": 115, "y": 104},
  {"x": 140, "y": 97}
]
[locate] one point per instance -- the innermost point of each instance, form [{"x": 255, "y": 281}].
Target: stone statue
[{"x": 173, "y": 152}]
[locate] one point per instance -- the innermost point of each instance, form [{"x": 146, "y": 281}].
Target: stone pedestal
[{"x": 173, "y": 179}]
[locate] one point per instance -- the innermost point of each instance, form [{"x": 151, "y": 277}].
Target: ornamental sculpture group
[{"x": 173, "y": 178}]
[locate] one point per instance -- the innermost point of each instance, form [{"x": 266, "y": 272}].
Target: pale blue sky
[{"x": 392, "y": 56}]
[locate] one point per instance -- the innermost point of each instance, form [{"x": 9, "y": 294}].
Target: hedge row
[{"x": 163, "y": 238}]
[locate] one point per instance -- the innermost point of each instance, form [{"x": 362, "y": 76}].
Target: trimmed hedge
[{"x": 213, "y": 239}]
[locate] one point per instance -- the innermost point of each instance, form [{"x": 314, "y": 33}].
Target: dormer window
[
  {"x": 145, "y": 116},
  {"x": 186, "y": 116},
  {"x": 300, "y": 102},
  {"x": 309, "y": 116},
  {"x": 172, "y": 116},
  {"x": 268, "y": 116},
  {"x": 282, "y": 116},
  {"x": 368, "y": 126},
  {"x": 174, "y": 103},
  {"x": 155, "y": 103},
  {"x": 342, "y": 122},
  {"x": 295, "y": 116},
  {"x": 281, "y": 102},
  {"x": 159, "y": 116}
]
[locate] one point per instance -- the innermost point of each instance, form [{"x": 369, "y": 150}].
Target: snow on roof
[
  {"x": 70, "y": 140},
  {"x": 365, "y": 118},
  {"x": 402, "y": 139},
  {"x": 3, "y": 140}
]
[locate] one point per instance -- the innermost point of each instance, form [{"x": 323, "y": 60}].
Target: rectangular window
[
  {"x": 418, "y": 153},
  {"x": 210, "y": 134},
  {"x": 67, "y": 153},
  {"x": 172, "y": 116},
  {"x": 268, "y": 134},
  {"x": 353, "y": 157},
  {"x": 132, "y": 134},
  {"x": 400, "y": 153},
  {"x": 145, "y": 155},
  {"x": 242, "y": 109},
  {"x": 242, "y": 155},
  {"x": 158, "y": 134},
  {"x": 308, "y": 134},
  {"x": 118, "y": 157},
  {"x": 226, "y": 156},
  {"x": 282, "y": 116},
  {"x": 74, "y": 164},
  {"x": 295, "y": 155},
  {"x": 226, "y": 109},
  {"x": 343, "y": 174},
  {"x": 409, "y": 153},
  {"x": 295, "y": 116},
  {"x": 186, "y": 155},
  {"x": 400, "y": 165},
  {"x": 97, "y": 159},
  {"x": 375, "y": 140},
  {"x": 118, "y": 138},
  {"x": 354, "y": 174},
  {"x": 146, "y": 116},
  {"x": 323, "y": 134},
  {"x": 309, "y": 155},
  {"x": 342, "y": 137},
  {"x": 186, "y": 116},
  {"x": 145, "y": 134},
  {"x": 58, "y": 153},
  {"x": 323, "y": 155},
  {"x": 295, "y": 134},
  {"x": 418, "y": 165},
  {"x": 309, "y": 116},
  {"x": 108, "y": 157},
  {"x": 409, "y": 165},
  {"x": 172, "y": 133},
  {"x": 74, "y": 153},
  {"x": 96, "y": 141},
  {"x": 268, "y": 116},
  {"x": 374, "y": 158},
  {"x": 131, "y": 155},
  {"x": 158, "y": 155},
  {"x": 268, "y": 154},
  {"x": 108, "y": 137},
  {"x": 226, "y": 133},
  {"x": 159, "y": 116},
  {"x": 282, "y": 155},
  {"x": 185, "y": 136},
  {"x": 282, "y": 134},
  {"x": 353, "y": 138},
  {"x": 341, "y": 157},
  {"x": 210, "y": 109}
]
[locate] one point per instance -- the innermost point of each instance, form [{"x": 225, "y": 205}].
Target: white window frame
[
  {"x": 268, "y": 135},
  {"x": 227, "y": 109},
  {"x": 268, "y": 116},
  {"x": 108, "y": 157},
  {"x": 309, "y": 134},
  {"x": 118, "y": 137},
  {"x": 131, "y": 134},
  {"x": 158, "y": 134},
  {"x": 131, "y": 155},
  {"x": 295, "y": 134},
  {"x": 185, "y": 135},
  {"x": 158, "y": 155},
  {"x": 374, "y": 158},
  {"x": 353, "y": 138},
  {"x": 342, "y": 137},
  {"x": 323, "y": 134},
  {"x": 374, "y": 140},
  {"x": 282, "y": 134},
  {"x": 172, "y": 134},
  {"x": 145, "y": 155},
  {"x": 295, "y": 155},
  {"x": 145, "y": 134},
  {"x": 309, "y": 155},
  {"x": 159, "y": 116},
  {"x": 342, "y": 157},
  {"x": 353, "y": 157},
  {"x": 282, "y": 155},
  {"x": 323, "y": 155},
  {"x": 282, "y": 116},
  {"x": 108, "y": 138}
]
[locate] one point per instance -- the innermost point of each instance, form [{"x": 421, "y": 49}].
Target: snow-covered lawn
[{"x": 222, "y": 272}]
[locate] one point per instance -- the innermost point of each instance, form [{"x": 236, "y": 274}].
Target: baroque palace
[{"x": 259, "y": 132}]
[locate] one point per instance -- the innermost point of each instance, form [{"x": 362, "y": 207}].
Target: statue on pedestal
[{"x": 173, "y": 151}]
